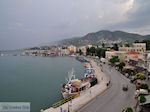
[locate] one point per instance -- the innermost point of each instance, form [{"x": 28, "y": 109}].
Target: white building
[{"x": 148, "y": 60}]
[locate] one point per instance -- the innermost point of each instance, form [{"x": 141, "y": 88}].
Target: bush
[
  {"x": 140, "y": 76},
  {"x": 144, "y": 86}
]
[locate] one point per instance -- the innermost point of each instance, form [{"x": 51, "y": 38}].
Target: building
[
  {"x": 112, "y": 52},
  {"x": 148, "y": 60},
  {"x": 136, "y": 52},
  {"x": 137, "y": 47},
  {"x": 72, "y": 49},
  {"x": 64, "y": 51}
]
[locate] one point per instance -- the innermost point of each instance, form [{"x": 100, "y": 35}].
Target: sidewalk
[{"x": 86, "y": 96}]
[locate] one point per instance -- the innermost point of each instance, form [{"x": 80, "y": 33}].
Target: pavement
[
  {"x": 114, "y": 99},
  {"x": 86, "y": 96}
]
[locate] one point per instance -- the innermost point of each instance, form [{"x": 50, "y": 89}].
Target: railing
[{"x": 64, "y": 101}]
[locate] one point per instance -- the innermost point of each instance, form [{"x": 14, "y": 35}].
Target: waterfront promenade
[
  {"x": 86, "y": 96},
  {"x": 114, "y": 99}
]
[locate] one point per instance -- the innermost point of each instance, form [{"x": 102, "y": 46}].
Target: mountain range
[{"x": 103, "y": 36}]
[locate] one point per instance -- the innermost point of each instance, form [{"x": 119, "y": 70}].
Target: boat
[
  {"x": 77, "y": 86},
  {"x": 86, "y": 65},
  {"x": 89, "y": 71}
]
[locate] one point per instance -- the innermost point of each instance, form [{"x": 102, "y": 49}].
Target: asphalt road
[{"x": 114, "y": 99}]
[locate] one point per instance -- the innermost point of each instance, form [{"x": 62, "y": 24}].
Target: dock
[{"x": 88, "y": 95}]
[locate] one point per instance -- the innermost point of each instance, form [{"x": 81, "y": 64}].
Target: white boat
[{"x": 76, "y": 86}]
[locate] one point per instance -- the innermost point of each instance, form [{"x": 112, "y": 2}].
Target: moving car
[{"x": 125, "y": 87}]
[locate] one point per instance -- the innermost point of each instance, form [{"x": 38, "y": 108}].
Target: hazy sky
[{"x": 26, "y": 23}]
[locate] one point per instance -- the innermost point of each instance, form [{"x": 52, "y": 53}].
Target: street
[{"x": 113, "y": 99}]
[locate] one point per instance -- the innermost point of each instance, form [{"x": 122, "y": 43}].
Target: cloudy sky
[{"x": 25, "y": 23}]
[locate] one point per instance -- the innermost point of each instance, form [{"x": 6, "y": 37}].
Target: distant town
[{"x": 137, "y": 52}]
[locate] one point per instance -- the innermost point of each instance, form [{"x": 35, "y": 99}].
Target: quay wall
[{"x": 86, "y": 96}]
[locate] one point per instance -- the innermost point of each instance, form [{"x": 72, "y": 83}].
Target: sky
[{"x": 27, "y": 23}]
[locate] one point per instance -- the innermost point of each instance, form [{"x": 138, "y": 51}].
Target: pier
[{"x": 85, "y": 97}]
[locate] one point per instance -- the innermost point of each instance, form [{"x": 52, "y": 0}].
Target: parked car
[{"x": 125, "y": 87}]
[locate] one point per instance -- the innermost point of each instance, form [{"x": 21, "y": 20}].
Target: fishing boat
[{"x": 76, "y": 86}]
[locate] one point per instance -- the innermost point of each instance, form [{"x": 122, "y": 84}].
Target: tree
[
  {"x": 103, "y": 53},
  {"x": 147, "y": 41},
  {"x": 88, "y": 51},
  {"x": 92, "y": 50},
  {"x": 80, "y": 52},
  {"x": 140, "y": 76},
  {"x": 127, "y": 44},
  {"x": 114, "y": 59},
  {"x": 103, "y": 45},
  {"x": 136, "y": 41},
  {"x": 121, "y": 65},
  {"x": 129, "y": 71},
  {"x": 142, "y": 99},
  {"x": 115, "y": 47},
  {"x": 98, "y": 52},
  {"x": 128, "y": 109},
  {"x": 143, "y": 86}
]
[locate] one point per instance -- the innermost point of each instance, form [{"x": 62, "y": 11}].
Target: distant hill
[{"x": 103, "y": 36}]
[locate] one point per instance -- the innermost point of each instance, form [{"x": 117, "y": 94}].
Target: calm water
[{"x": 35, "y": 79}]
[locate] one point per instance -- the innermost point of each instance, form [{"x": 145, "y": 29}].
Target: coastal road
[{"x": 113, "y": 99}]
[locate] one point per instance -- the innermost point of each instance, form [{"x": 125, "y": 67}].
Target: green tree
[
  {"x": 128, "y": 109},
  {"x": 127, "y": 44},
  {"x": 88, "y": 51},
  {"x": 103, "y": 53},
  {"x": 147, "y": 41},
  {"x": 103, "y": 45},
  {"x": 80, "y": 52},
  {"x": 140, "y": 76},
  {"x": 114, "y": 59},
  {"x": 143, "y": 86},
  {"x": 142, "y": 99},
  {"x": 136, "y": 41},
  {"x": 115, "y": 47},
  {"x": 98, "y": 52},
  {"x": 121, "y": 65},
  {"x": 93, "y": 50},
  {"x": 129, "y": 71}
]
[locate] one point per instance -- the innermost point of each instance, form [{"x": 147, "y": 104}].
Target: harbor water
[{"x": 36, "y": 80}]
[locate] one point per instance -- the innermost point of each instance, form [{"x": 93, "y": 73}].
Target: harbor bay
[{"x": 37, "y": 80}]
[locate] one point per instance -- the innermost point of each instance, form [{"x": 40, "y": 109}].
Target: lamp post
[
  {"x": 68, "y": 107},
  {"x": 60, "y": 109}
]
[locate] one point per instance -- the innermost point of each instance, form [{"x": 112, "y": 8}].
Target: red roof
[
  {"x": 111, "y": 50},
  {"x": 132, "y": 52},
  {"x": 135, "y": 56}
]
